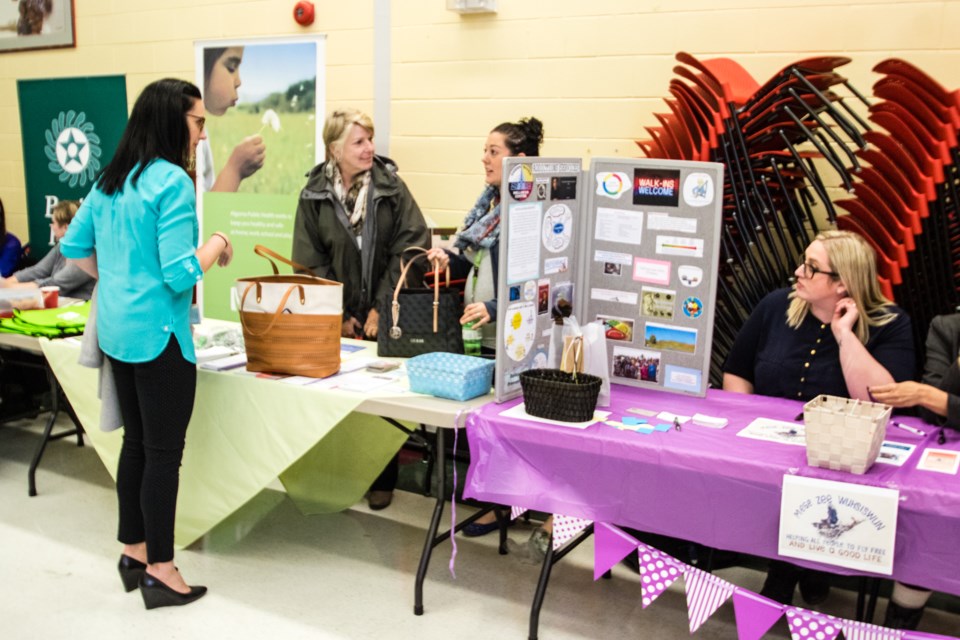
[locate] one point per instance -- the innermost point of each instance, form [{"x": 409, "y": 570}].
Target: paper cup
[{"x": 51, "y": 296}]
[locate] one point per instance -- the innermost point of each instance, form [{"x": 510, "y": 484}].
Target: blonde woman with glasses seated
[{"x": 832, "y": 333}]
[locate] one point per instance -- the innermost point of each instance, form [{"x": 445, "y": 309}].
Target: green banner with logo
[{"x": 70, "y": 129}]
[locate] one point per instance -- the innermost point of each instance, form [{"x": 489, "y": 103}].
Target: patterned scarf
[
  {"x": 354, "y": 200},
  {"x": 481, "y": 227}
]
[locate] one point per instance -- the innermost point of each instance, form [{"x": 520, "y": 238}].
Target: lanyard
[{"x": 476, "y": 272}]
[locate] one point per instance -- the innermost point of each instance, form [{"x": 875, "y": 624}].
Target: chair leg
[{"x": 873, "y": 596}]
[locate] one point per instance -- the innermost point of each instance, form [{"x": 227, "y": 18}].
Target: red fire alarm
[{"x": 303, "y": 13}]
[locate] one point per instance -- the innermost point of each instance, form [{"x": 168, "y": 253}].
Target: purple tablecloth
[{"x": 702, "y": 484}]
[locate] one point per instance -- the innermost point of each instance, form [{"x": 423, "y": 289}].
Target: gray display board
[
  {"x": 632, "y": 243},
  {"x": 540, "y": 227},
  {"x": 648, "y": 268}
]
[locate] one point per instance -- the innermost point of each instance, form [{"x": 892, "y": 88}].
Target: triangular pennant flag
[
  {"x": 610, "y": 546},
  {"x": 809, "y": 625},
  {"x": 657, "y": 572},
  {"x": 516, "y": 512},
  {"x": 863, "y": 631},
  {"x": 566, "y": 527},
  {"x": 705, "y": 593},
  {"x": 755, "y": 614},
  {"x": 920, "y": 635}
]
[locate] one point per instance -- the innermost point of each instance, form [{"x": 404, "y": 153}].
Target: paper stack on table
[
  {"x": 224, "y": 363},
  {"x": 709, "y": 421}
]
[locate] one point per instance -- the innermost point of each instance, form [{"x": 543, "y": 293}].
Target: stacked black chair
[{"x": 776, "y": 141}]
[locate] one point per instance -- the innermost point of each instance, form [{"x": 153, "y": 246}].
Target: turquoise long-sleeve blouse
[{"x": 145, "y": 239}]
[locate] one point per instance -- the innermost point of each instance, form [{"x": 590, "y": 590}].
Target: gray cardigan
[
  {"x": 91, "y": 356},
  {"x": 54, "y": 270}
]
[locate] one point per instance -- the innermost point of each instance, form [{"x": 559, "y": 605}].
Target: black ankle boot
[
  {"x": 156, "y": 594},
  {"x": 814, "y": 586},
  {"x": 781, "y": 581},
  {"x": 902, "y": 617},
  {"x": 130, "y": 572}
]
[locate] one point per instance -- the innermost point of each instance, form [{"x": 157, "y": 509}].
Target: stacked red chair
[
  {"x": 911, "y": 188},
  {"x": 773, "y": 139}
]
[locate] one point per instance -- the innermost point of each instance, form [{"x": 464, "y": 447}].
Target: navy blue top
[
  {"x": 804, "y": 362},
  {"x": 9, "y": 255}
]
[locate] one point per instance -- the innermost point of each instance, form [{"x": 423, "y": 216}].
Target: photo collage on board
[
  {"x": 631, "y": 244},
  {"x": 649, "y": 266}
]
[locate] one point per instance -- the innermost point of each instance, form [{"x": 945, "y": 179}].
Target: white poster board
[{"x": 837, "y": 523}]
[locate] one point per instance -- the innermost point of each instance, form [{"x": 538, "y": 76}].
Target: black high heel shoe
[
  {"x": 130, "y": 572},
  {"x": 156, "y": 594}
]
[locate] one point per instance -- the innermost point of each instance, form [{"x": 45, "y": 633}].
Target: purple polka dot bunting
[
  {"x": 566, "y": 527},
  {"x": 657, "y": 572}
]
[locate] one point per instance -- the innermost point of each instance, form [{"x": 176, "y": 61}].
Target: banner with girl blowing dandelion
[{"x": 264, "y": 102}]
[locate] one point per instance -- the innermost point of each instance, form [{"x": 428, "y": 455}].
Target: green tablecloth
[{"x": 245, "y": 432}]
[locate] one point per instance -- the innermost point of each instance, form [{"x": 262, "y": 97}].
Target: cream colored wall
[{"x": 593, "y": 71}]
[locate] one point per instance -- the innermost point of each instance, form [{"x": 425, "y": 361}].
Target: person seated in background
[
  {"x": 833, "y": 333},
  {"x": 478, "y": 245},
  {"x": 354, "y": 220},
  {"x": 938, "y": 398},
  {"x": 9, "y": 246},
  {"x": 53, "y": 269}
]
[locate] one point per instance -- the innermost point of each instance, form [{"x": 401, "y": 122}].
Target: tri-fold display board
[{"x": 632, "y": 243}]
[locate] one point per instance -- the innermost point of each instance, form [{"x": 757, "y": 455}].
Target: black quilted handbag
[{"x": 420, "y": 320}]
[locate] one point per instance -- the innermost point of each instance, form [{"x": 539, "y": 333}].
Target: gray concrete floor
[{"x": 275, "y": 573}]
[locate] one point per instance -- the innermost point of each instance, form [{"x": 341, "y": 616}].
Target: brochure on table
[{"x": 632, "y": 243}]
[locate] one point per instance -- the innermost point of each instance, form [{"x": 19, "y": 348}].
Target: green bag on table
[{"x": 58, "y": 322}]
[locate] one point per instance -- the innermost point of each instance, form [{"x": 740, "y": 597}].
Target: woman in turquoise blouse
[{"x": 137, "y": 232}]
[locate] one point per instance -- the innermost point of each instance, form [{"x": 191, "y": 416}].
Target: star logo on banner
[{"x": 73, "y": 148}]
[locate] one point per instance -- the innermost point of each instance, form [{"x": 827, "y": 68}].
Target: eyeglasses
[
  {"x": 810, "y": 270},
  {"x": 201, "y": 121}
]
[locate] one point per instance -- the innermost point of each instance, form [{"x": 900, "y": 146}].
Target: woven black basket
[{"x": 553, "y": 394}]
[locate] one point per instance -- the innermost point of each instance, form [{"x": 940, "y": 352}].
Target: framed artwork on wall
[{"x": 36, "y": 24}]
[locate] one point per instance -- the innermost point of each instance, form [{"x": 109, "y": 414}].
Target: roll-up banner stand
[{"x": 632, "y": 243}]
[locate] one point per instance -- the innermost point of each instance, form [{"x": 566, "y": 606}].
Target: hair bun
[{"x": 533, "y": 129}]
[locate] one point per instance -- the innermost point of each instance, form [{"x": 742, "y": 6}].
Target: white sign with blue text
[{"x": 846, "y": 525}]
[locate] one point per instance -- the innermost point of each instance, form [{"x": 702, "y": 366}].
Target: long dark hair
[
  {"x": 3, "y": 222},
  {"x": 157, "y": 130},
  {"x": 522, "y": 137}
]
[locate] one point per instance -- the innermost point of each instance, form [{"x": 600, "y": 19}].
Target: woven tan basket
[{"x": 844, "y": 434}]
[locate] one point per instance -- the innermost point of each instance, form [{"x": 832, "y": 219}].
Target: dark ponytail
[{"x": 523, "y": 137}]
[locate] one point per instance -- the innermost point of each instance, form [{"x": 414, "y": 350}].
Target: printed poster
[
  {"x": 266, "y": 96},
  {"x": 846, "y": 525}
]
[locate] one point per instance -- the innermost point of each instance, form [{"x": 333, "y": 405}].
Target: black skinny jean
[{"x": 156, "y": 401}]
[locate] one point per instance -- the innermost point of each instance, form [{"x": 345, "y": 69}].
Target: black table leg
[
  {"x": 549, "y": 560},
  {"x": 541, "y": 591},
  {"x": 440, "y": 456},
  {"x": 55, "y": 396},
  {"x": 432, "y": 538}
]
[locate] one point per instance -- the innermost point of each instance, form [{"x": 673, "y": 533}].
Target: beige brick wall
[{"x": 593, "y": 71}]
